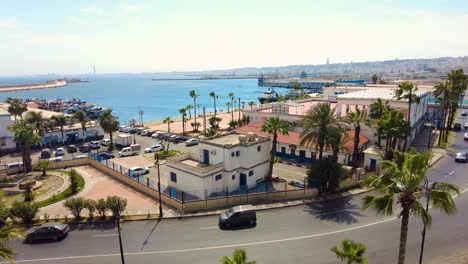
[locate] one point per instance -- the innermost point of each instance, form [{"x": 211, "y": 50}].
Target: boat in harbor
[
  {"x": 268, "y": 96},
  {"x": 69, "y": 106}
]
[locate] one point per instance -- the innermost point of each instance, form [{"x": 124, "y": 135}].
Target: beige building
[
  {"x": 7, "y": 142},
  {"x": 223, "y": 164}
]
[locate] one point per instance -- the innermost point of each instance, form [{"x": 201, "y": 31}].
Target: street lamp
[
  {"x": 159, "y": 187},
  {"x": 423, "y": 233},
  {"x": 120, "y": 236}
]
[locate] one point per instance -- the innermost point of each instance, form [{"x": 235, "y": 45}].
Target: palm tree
[
  {"x": 168, "y": 120},
  {"x": 251, "y": 104},
  {"x": 352, "y": 252},
  {"x": 214, "y": 122},
  {"x": 316, "y": 125},
  {"x": 61, "y": 121},
  {"x": 406, "y": 90},
  {"x": 401, "y": 179},
  {"x": 183, "y": 112},
  {"x": 228, "y": 104},
  {"x": 188, "y": 108},
  {"x": 43, "y": 165},
  {"x": 458, "y": 81},
  {"x": 16, "y": 107},
  {"x": 109, "y": 124},
  {"x": 393, "y": 128},
  {"x": 231, "y": 96},
  {"x": 238, "y": 257},
  {"x": 194, "y": 95},
  {"x": 330, "y": 176},
  {"x": 272, "y": 126},
  {"x": 243, "y": 104},
  {"x": 24, "y": 135},
  {"x": 376, "y": 111},
  {"x": 212, "y": 94},
  {"x": 7, "y": 233},
  {"x": 356, "y": 119},
  {"x": 82, "y": 118},
  {"x": 442, "y": 94},
  {"x": 37, "y": 120}
]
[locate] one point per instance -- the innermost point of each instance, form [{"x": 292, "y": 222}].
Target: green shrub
[
  {"x": 66, "y": 193},
  {"x": 116, "y": 204},
  {"x": 102, "y": 207},
  {"x": 24, "y": 211},
  {"x": 74, "y": 180},
  {"x": 28, "y": 192},
  {"x": 75, "y": 206}
]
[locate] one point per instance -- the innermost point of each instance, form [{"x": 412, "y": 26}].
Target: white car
[
  {"x": 105, "y": 142},
  {"x": 94, "y": 144},
  {"x": 461, "y": 157},
  {"x": 137, "y": 171},
  {"x": 153, "y": 148},
  {"x": 465, "y": 136},
  {"x": 144, "y": 132},
  {"x": 191, "y": 142},
  {"x": 126, "y": 129},
  {"x": 80, "y": 157},
  {"x": 156, "y": 134},
  {"x": 59, "y": 152},
  {"x": 466, "y": 125}
]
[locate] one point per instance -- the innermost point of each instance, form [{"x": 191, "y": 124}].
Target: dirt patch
[{"x": 50, "y": 184}]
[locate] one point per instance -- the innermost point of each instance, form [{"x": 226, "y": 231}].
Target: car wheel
[{"x": 29, "y": 239}]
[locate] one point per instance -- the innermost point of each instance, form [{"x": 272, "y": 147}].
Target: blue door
[
  {"x": 206, "y": 156},
  {"x": 243, "y": 179},
  {"x": 373, "y": 164}
]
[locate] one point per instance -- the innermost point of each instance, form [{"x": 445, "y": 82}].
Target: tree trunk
[
  {"x": 111, "y": 138},
  {"x": 272, "y": 156},
  {"x": 27, "y": 158},
  {"x": 403, "y": 236},
  {"x": 320, "y": 151},
  {"x": 195, "y": 113},
  {"x": 379, "y": 140},
  {"x": 214, "y": 100},
  {"x": 410, "y": 102},
  {"x": 44, "y": 172},
  {"x": 232, "y": 114},
  {"x": 357, "y": 132}
]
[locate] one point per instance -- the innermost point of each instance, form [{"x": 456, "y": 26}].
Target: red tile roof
[{"x": 293, "y": 138}]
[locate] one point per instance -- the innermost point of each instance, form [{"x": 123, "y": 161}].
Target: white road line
[
  {"x": 108, "y": 235},
  {"x": 219, "y": 247},
  {"x": 210, "y": 227},
  {"x": 452, "y": 172}
]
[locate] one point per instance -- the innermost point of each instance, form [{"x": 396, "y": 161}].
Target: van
[
  {"x": 238, "y": 215},
  {"x": 14, "y": 165}
]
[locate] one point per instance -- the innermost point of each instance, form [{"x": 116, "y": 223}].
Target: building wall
[
  {"x": 6, "y": 137},
  {"x": 56, "y": 135}
]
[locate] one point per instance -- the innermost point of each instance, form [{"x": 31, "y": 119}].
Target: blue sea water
[{"x": 126, "y": 94}]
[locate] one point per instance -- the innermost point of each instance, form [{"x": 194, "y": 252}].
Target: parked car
[
  {"x": 139, "y": 130},
  {"x": 457, "y": 126},
  {"x": 126, "y": 129},
  {"x": 94, "y": 145},
  {"x": 105, "y": 142},
  {"x": 461, "y": 157},
  {"x": 238, "y": 215},
  {"x": 15, "y": 165},
  {"x": 153, "y": 148},
  {"x": 465, "y": 137},
  {"x": 132, "y": 130},
  {"x": 466, "y": 125},
  {"x": 137, "y": 171},
  {"x": 85, "y": 148},
  {"x": 105, "y": 155},
  {"x": 80, "y": 157},
  {"x": 144, "y": 132},
  {"x": 155, "y": 134},
  {"x": 134, "y": 149},
  {"x": 72, "y": 149},
  {"x": 52, "y": 230},
  {"x": 56, "y": 159},
  {"x": 191, "y": 142},
  {"x": 179, "y": 139},
  {"x": 464, "y": 113},
  {"x": 59, "y": 152},
  {"x": 122, "y": 128},
  {"x": 45, "y": 153},
  {"x": 164, "y": 135},
  {"x": 149, "y": 133}
]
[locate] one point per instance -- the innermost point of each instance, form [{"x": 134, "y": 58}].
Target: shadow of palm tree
[{"x": 339, "y": 210}]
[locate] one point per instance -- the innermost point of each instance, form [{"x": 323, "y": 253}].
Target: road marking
[
  {"x": 210, "y": 227},
  {"x": 108, "y": 235},
  {"x": 452, "y": 172},
  {"x": 217, "y": 247}
]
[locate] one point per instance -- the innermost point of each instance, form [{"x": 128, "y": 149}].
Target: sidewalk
[{"x": 421, "y": 143}]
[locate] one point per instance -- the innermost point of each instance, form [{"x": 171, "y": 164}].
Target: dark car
[
  {"x": 457, "y": 126},
  {"x": 106, "y": 155},
  {"x": 149, "y": 133},
  {"x": 238, "y": 215},
  {"x": 85, "y": 148},
  {"x": 46, "y": 153},
  {"x": 133, "y": 130},
  {"x": 72, "y": 149},
  {"x": 52, "y": 230}
]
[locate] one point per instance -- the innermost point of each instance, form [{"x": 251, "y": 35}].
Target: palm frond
[
  {"x": 443, "y": 201},
  {"x": 383, "y": 203},
  {"x": 418, "y": 209}
]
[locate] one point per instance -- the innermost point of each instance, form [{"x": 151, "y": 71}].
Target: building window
[
  {"x": 251, "y": 173},
  {"x": 233, "y": 154},
  {"x": 259, "y": 148},
  {"x": 173, "y": 177},
  {"x": 218, "y": 177},
  {"x": 233, "y": 177},
  {"x": 238, "y": 153},
  {"x": 283, "y": 150}
]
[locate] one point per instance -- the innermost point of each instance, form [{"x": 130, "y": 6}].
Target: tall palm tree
[
  {"x": 81, "y": 117},
  {"x": 376, "y": 111},
  {"x": 251, "y": 104},
  {"x": 16, "y": 107},
  {"x": 238, "y": 257},
  {"x": 228, "y": 105},
  {"x": 458, "y": 81},
  {"x": 36, "y": 119},
  {"x": 356, "y": 119},
  {"x": 243, "y": 104},
  {"x": 273, "y": 126},
  {"x": 352, "y": 252},
  {"x": 168, "y": 120},
  {"x": 23, "y": 133},
  {"x": 394, "y": 128},
  {"x": 183, "y": 112},
  {"x": 442, "y": 93},
  {"x": 61, "y": 121},
  {"x": 316, "y": 125},
  {"x": 189, "y": 108},
  {"x": 401, "y": 179},
  {"x": 406, "y": 90},
  {"x": 212, "y": 94},
  {"x": 194, "y": 95},
  {"x": 330, "y": 176},
  {"x": 109, "y": 124},
  {"x": 231, "y": 96},
  {"x": 7, "y": 233}
]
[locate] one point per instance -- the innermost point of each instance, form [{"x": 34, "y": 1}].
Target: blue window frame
[{"x": 173, "y": 177}]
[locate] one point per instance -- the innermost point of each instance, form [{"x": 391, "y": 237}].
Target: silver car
[{"x": 461, "y": 157}]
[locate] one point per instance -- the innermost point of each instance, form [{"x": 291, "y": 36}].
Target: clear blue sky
[{"x": 69, "y": 36}]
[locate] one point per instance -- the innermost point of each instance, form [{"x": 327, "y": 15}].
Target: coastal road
[{"x": 301, "y": 234}]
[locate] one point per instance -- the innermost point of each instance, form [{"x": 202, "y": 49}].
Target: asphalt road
[{"x": 301, "y": 234}]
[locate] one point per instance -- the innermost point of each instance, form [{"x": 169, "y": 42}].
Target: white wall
[{"x": 6, "y": 137}]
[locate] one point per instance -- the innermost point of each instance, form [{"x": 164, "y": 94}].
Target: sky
[{"x": 70, "y": 36}]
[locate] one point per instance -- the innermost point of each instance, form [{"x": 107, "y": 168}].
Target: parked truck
[
  {"x": 123, "y": 140},
  {"x": 134, "y": 149}
]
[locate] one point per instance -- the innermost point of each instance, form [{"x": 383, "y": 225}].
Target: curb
[{"x": 292, "y": 164}]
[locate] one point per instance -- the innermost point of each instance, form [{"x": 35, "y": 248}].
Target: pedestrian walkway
[{"x": 427, "y": 141}]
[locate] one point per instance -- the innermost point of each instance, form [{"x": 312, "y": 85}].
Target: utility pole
[
  {"x": 140, "y": 114},
  {"x": 204, "y": 121},
  {"x": 159, "y": 187},
  {"x": 239, "y": 111},
  {"x": 120, "y": 235},
  {"x": 423, "y": 233}
]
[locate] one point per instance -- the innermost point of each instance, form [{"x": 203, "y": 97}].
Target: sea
[{"x": 127, "y": 94}]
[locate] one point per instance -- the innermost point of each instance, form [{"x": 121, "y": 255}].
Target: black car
[
  {"x": 106, "y": 155},
  {"x": 46, "y": 153},
  {"x": 133, "y": 130},
  {"x": 72, "y": 149},
  {"x": 85, "y": 148},
  {"x": 238, "y": 215},
  {"x": 53, "y": 230},
  {"x": 457, "y": 126}
]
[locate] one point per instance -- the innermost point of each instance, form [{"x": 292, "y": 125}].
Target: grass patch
[
  {"x": 66, "y": 193},
  {"x": 165, "y": 154}
]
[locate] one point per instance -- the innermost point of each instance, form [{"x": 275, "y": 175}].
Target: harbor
[{"x": 34, "y": 86}]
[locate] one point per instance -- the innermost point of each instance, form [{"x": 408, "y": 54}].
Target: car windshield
[{"x": 229, "y": 213}]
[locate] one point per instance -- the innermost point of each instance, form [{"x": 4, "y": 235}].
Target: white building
[
  {"x": 223, "y": 164},
  {"x": 73, "y": 134},
  {"x": 7, "y": 142}
]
